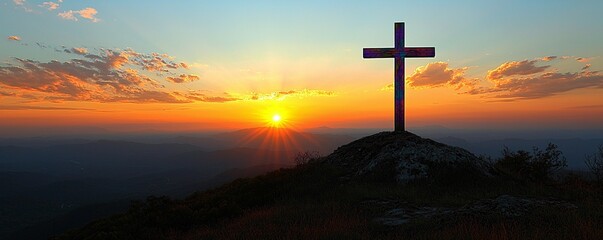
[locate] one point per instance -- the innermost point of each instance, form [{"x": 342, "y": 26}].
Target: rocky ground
[
  {"x": 399, "y": 212},
  {"x": 404, "y": 157}
]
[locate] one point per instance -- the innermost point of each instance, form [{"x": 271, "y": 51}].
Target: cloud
[
  {"x": 21, "y": 107},
  {"x": 107, "y": 76},
  {"x": 219, "y": 99},
  {"x": 281, "y": 95},
  {"x": 146, "y": 96},
  {"x": 307, "y": 92},
  {"x": 278, "y": 95},
  {"x": 183, "y": 78},
  {"x": 548, "y": 58},
  {"x": 525, "y": 67},
  {"x": 6, "y": 94},
  {"x": 76, "y": 50},
  {"x": 81, "y": 51},
  {"x": 156, "y": 62},
  {"x": 583, "y": 60},
  {"x": 526, "y": 80},
  {"x": 50, "y": 5},
  {"x": 23, "y": 4},
  {"x": 115, "y": 75},
  {"x": 87, "y": 13},
  {"x": 439, "y": 74},
  {"x": 513, "y": 80},
  {"x": 68, "y": 15},
  {"x": 388, "y": 87},
  {"x": 14, "y": 38},
  {"x": 544, "y": 85},
  {"x": 587, "y": 106},
  {"x": 216, "y": 99}
]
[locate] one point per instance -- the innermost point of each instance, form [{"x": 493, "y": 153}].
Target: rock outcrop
[
  {"x": 403, "y": 156},
  {"x": 398, "y": 213}
]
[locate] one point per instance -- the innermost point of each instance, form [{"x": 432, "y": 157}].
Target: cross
[{"x": 399, "y": 52}]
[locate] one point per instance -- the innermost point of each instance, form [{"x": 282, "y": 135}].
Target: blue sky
[{"x": 221, "y": 30}]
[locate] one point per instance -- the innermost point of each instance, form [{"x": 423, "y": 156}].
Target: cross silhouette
[{"x": 398, "y": 52}]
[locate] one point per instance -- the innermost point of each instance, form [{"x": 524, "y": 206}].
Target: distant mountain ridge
[
  {"x": 45, "y": 178},
  {"x": 274, "y": 138}
]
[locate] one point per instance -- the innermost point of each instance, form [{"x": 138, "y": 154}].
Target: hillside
[{"x": 385, "y": 186}]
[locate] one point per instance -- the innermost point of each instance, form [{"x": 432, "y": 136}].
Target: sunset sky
[{"x": 199, "y": 65}]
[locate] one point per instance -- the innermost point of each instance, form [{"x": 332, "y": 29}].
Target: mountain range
[{"x": 50, "y": 184}]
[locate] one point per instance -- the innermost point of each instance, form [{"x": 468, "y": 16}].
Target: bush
[
  {"x": 595, "y": 164},
  {"x": 535, "y": 166},
  {"x": 303, "y": 158}
]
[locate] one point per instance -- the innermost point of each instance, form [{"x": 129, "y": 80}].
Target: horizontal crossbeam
[{"x": 393, "y": 52}]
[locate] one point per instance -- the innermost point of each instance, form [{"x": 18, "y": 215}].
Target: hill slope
[{"x": 342, "y": 196}]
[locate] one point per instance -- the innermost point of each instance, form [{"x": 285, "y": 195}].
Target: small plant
[
  {"x": 535, "y": 166},
  {"x": 595, "y": 164},
  {"x": 303, "y": 158}
]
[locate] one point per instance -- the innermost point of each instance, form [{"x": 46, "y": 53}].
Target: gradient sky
[{"x": 178, "y": 65}]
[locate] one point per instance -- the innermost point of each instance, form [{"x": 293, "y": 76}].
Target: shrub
[
  {"x": 303, "y": 158},
  {"x": 535, "y": 166},
  {"x": 595, "y": 164}
]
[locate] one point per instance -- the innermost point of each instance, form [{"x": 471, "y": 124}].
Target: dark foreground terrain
[
  {"x": 51, "y": 184},
  {"x": 385, "y": 186}
]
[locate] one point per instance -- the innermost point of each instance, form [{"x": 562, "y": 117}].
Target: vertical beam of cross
[
  {"x": 399, "y": 53},
  {"x": 399, "y": 76}
]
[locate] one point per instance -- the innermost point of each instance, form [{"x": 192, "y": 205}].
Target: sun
[
  {"x": 276, "y": 121},
  {"x": 276, "y": 118}
]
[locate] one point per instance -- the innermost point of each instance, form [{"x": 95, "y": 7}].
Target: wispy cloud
[
  {"x": 281, "y": 95},
  {"x": 81, "y": 51},
  {"x": 183, "y": 78},
  {"x": 23, "y": 107},
  {"x": 587, "y": 106},
  {"x": 548, "y": 58},
  {"x": 271, "y": 96},
  {"x": 388, "y": 87},
  {"x": 22, "y": 4},
  {"x": 86, "y": 13},
  {"x": 50, "y": 5},
  {"x": 6, "y": 94},
  {"x": 156, "y": 62},
  {"x": 14, "y": 38},
  {"x": 201, "y": 97}
]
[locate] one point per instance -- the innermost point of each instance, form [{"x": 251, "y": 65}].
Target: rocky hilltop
[
  {"x": 403, "y": 156},
  {"x": 391, "y": 185}
]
